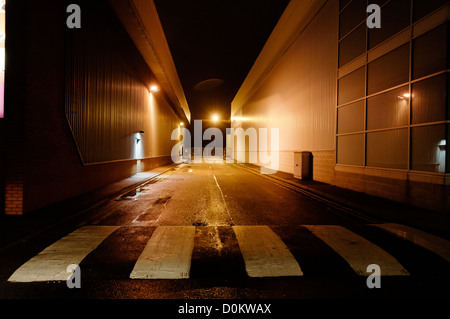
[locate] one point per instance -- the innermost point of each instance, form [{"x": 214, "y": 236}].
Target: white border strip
[
  {"x": 167, "y": 254},
  {"x": 51, "y": 263},
  {"x": 357, "y": 251},
  {"x": 433, "y": 243},
  {"x": 264, "y": 253}
]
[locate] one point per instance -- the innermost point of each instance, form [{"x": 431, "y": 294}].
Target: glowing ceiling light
[{"x": 215, "y": 118}]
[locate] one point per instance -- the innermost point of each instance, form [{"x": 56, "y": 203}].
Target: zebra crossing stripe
[
  {"x": 264, "y": 253},
  {"x": 167, "y": 254},
  {"x": 437, "y": 245},
  {"x": 51, "y": 263},
  {"x": 357, "y": 251}
]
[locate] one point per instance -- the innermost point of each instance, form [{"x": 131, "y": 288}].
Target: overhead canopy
[{"x": 141, "y": 20}]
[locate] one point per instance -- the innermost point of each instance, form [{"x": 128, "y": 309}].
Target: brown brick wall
[
  {"x": 323, "y": 166},
  {"x": 14, "y": 185},
  {"x": 150, "y": 163},
  {"x": 422, "y": 194},
  {"x": 13, "y": 200},
  {"x": 426, "y": 195}
]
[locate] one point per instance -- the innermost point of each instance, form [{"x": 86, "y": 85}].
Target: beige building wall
[
  {"x": 297, "y": 94},
  {"x": 321, "y": 61}
]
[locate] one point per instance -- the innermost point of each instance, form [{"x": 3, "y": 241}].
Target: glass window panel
[
  {"x": 343, "y": 3},
  {"x": 351, "y": 118},
  {"x": 388, "y": 149},
  {"x": 395, "y": 16},
  {"x": 429, "y": 100},
  {"x": 390, "y": 109},
  {"x": 389, "y": 70},
  {"x": 351, "y": 86},
  {"x": 350, "y": 149},
  {"x": 353, "y": 14},
  {"x": 379, "y": 2},
  {"x": 352, "y": 45},
  {"x": 423, "y": 7},
  {"x": 430, "y": 52},
  {"x": 428, "y": 148}
]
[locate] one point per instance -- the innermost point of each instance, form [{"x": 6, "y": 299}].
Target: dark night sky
[{"x": 212, "y": 39}]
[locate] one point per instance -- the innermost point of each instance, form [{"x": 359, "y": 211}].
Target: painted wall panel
[{"x": 107, "y": 97}]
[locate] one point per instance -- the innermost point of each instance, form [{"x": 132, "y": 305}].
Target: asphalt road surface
[{"x": 219, "y": 231}]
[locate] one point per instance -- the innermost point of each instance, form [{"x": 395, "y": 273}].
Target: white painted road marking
[
  {"x": 264, "y": 253},
  {"x": 51, "y": 264},
  {"x": 167, "y": 254},
  {"x": 357, "y": 251},
  {"x": 437, "y": 245}
]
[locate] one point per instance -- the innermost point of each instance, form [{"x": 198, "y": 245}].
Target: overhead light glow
[
  {"x": 215, "y": 118},
  {"x": 404, "y": 96},
  {"x": 239, "y": 119},
  {"x": 154, "y": 88}
]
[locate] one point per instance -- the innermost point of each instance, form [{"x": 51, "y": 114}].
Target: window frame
[{"x": 415, "y": 29}]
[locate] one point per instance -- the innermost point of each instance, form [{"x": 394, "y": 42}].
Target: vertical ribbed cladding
[{"x": 107, "y": 99}]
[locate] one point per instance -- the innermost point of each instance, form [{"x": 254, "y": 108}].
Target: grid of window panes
[{"x": 393, "y": 107}]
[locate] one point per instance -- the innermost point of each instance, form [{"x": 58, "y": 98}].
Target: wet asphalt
[{"x": 214, "y": 197}]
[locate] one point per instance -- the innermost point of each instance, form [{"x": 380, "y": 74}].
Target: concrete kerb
[
  {"x": 349, "y": 211},
  {"x": 122, "y": 192},
  {"x": 371, "y": 213}
]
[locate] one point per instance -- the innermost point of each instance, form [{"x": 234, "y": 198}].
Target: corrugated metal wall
[
  {"x": 107, "y": 100},
  {"x": 299, "y": 94}
]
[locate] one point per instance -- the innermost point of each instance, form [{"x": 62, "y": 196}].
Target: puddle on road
[
  {"x": 155, "y": 210},
  {"x": 133, "y": 194},
  {"x": 162, "y": 200},
  {"x": 199, "y": 224}
]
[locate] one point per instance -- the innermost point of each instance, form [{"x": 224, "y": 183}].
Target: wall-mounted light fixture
[
  {"x": 154, "y": 88},
  {"x": 138, "y": 136},
  {"x": 404, "y": 96}
]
